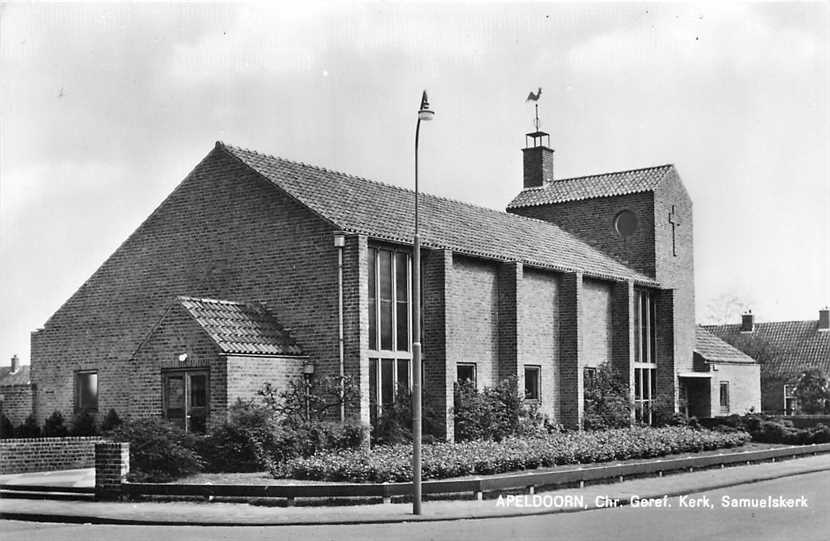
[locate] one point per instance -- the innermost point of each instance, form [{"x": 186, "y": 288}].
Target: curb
[{"x": 100, "y": 520}]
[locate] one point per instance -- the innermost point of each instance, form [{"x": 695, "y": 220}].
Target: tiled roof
[
  {"x": 20, "y": 377},
  {"x": 792, "y": 345},
  {"x": 589, "y": 187},
  {"x": 241, "y": 328},
  {"x": 712, "y": 348},
  {"x": 384, "y": 212}
]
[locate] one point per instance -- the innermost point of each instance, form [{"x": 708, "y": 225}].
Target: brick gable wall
[
  {"x": 223, "y": 233},
  {"x": 592, "y": 220}
]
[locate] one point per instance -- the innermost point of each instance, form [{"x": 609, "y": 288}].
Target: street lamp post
[{"x": 424, "y": 113}]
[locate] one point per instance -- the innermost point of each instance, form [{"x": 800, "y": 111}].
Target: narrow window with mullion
[
  {"x": 386, "y": 299},
  {"x": 402, "y": 301},
  {"x": 373, "y": 309}
]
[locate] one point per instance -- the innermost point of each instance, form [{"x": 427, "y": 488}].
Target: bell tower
[{"x": 538, "y": 157}]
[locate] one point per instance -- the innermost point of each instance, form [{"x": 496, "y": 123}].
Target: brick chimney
[
  {"x": 824, "y": 319},
  {"x": 15, "y": 364},
  {"x": 747, "y": 322}
]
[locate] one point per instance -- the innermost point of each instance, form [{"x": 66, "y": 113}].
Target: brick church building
[{"x": 256, "y": 269}]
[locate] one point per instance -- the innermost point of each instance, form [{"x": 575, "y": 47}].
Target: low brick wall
[{"x": 47, "y": 454}]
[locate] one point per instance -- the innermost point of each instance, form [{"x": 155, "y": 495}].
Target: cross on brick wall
[{"x": 674, "y": 220}]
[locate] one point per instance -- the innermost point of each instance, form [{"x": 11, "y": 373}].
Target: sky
[{"x": 105, "y": 108}]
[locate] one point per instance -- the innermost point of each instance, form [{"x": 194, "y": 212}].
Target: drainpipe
[{"x": 339, "y": 243}]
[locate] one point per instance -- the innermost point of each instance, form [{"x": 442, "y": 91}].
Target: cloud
[
  {"x": 265, "y": 39},
  {"x": 674, "y": 39},
  {"x": 25, "y": 189}
]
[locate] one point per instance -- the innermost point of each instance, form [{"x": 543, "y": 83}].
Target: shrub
[
  {"x": 492, "y": 414},
  {"x": 29, "y": 428},
  {"x": 772, "y": 431},
  {"x": 441, "y": 460},
  {"x": 111, "y": 421},
  {"x": 54, "y": 426},
  {"x": 159, "y": 451},
  {"x": 607, "y": 404},
  {"x": 83, "y": 424},
  {"x": 6, "y": 427},
  {"x": 256, "y": 437},
  {"x": 395, "y": 423},
  {"x": 244, "y": 442}
]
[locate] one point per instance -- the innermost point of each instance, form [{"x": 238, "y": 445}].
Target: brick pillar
[
  {"x": 571, "y": 390},
  {"x": 510, "y": 274},
  {"x": 665, "y": 321},
  {"x": 112, "y": 464},
  {"x": 439, "y": 362},
  {"x": 356, "y": 322},
  {"x": 622, "y": 343}
]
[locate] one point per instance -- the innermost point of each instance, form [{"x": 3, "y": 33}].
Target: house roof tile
[
  {"x": 241, "y": 328},
  {"x": 382, "y": 211},
  {"x": 712, "y": 348},
  {"x": 792, "y": 346},
  {"x": 592, "y": 186},
  {"x": 19, "y": 377}
]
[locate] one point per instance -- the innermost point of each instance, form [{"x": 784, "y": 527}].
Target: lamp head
[{"x": 424, "y": 113}]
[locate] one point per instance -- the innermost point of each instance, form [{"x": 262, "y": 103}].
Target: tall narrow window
[
  {"x": 402, "y": 301},
  {"x": 645, "y": 362},
  {"x": 532, "y": 382},
  {"x": 724, "y": 397},
  {"x": 390, "y": 328},
  {"x": 373, "y": 312},
  {"x": 86, "y": 391},
  {"x": 386, "y": 299}
]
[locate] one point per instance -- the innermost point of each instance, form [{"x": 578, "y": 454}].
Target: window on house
[
  {"x": 645, "y": 361},
  {"x": 185, "y": 398},
  {"x": 86, "y": 391},
  {"x": 645, "y": 391},
  {"x": 389, "y": 298},
  {"x": 532, "y": 382},
  {"x": 589, "y": 378},
  {"x": 387, "y": 379},
  {"x": 724, "y": 397},
  {"x": 466, "y": 372},
  {"x": 790, "y": 402},
  {"x": 390, "y": 326},
  {"x": 645, "y": 329}
]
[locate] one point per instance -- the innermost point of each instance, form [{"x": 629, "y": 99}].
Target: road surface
[{"x": 679, "y": 522}]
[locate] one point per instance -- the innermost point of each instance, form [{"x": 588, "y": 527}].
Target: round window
[{"x": 625, "y": 224}]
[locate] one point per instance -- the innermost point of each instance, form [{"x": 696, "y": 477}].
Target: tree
[
  {"x": 811, "y": 391},
  {"x": 725, "y": 308}
]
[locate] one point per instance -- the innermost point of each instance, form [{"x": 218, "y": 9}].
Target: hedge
[{"x": 442, "y": 460}]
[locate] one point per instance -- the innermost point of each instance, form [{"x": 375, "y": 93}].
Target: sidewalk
[
  {"x": 239, "y": 514},
  {"x": 84, "y": 477}
]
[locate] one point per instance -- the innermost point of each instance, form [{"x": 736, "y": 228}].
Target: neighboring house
[
  {"x": 16, "y": 391},
  {"x": 785, "y": 349},
  {"x": 721, "y": 371},
  {"x": 577, "y": 273}
]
